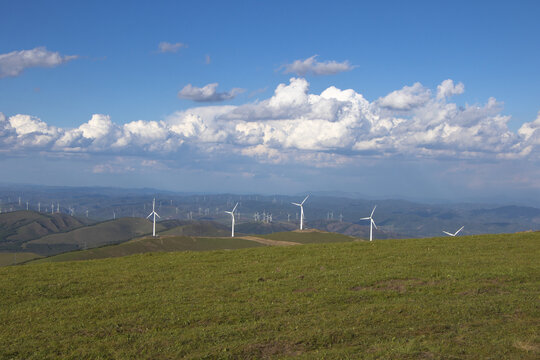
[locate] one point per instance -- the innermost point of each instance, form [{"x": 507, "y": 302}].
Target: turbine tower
[
  {"x": 454, "y": 234},
  {"x": 155, "y": 214},
  {"x": 232, "y": 215},
  {"x": 371, "y": 223},
  {"x": 301, "y": 212}
]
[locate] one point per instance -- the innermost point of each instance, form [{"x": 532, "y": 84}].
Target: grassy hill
[
  {"x": 191, "y": 243},
  {"x": 308, "y": 237},
  {"x": 150, "y": 244},
  {"x": 466, "y": 297},
  {"x": 108, "y": 232},
  {"x": 194, "y": 228},
  {"x": 263, "y": 228},
  {"x": 21, "y": 226}
]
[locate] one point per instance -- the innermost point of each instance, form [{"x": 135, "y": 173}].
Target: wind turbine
[
  {"x": 232, "y": 215},
  {"x": 301, "y": 212},
  {"x": 454, "y": 234},
  {"x": 371, "y": 223},
  {"x": 154, "y": 213}
]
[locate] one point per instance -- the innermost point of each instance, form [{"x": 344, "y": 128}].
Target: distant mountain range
[{"x": 79, "y": 218}]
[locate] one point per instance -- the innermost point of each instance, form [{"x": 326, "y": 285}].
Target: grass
[
  {"x": 11, "y": 258},
  {"x": 442, "y": 298},
  {"x": 308, "y": 237},
  {"x": 162, "y": 244},
  {"x": 113, "y": 231}
]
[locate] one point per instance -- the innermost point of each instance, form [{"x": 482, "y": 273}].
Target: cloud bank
[
  {"x": 313, "y": 67},
  {"x": 329, "y": 129},
  {"x": 14, "y": 63},
  {"x": 166, "y": 47},
  {"x": 207, "y": 93}
]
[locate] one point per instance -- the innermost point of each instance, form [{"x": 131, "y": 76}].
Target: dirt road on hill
[{"x": 268, "y": 241}]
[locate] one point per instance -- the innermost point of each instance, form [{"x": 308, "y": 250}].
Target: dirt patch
[
  {"x": 268, "y": 241},
  {"x": 527, "y": 346},
  {"x": 272, "y": 349},
  {"x": 488, "y": 286}
]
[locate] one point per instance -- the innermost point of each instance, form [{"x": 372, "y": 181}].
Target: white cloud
[
  {"x": 447, "y": 89},
  {"x": 14, "y": 63},
  {"x": 166, "y": 47},
  {"x": 314, "y": 67},
  {"x": 332, "y": 128},
  {"x": 207, "y": 93},
  {"x": 406, "y": 98}
]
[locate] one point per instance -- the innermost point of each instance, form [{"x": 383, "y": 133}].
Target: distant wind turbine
[
  {"x": 155, "y": 214},
  {"x": 371, "y": 224},
  {"x": 454, "y": 234},
  {"x": 232, "y": 215},
  {"x": 301, "y": 212}
]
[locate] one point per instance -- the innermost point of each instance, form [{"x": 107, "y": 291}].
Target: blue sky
[{"x": 252, "y": 96}]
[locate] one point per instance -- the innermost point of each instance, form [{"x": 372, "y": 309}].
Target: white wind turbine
[
  {"x": 232, "y": 215},
  {"x": 155, "y": 214},
  {"x": 454, "y": 234},
  {"x": 301, "y": 212},
  {"x": 371, "y": 223}
]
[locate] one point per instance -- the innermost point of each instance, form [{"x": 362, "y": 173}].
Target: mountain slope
[
  {"x": 108, "y": 232},
  {"x": 21, "y": 226}
]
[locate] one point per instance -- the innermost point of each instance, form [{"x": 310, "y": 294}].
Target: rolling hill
[
  {"x": 150, "y": 244},
  {"x": 108, "y": 232},
  {"x": 471, "y": 297},
  {"x": 19, "y": 227}
]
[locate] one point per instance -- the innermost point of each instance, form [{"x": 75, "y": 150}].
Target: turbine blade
[
  {"x": 158, "y": 215},
  {"x": 296, "y": 204},
  {"x": 461, "y": 228},
  {"x": 365, "y": 218},
  {"x": 374, "y": 223},
  {"x": 447, "y": 233},
  {"x": 234, "y": 207},
  {"x": 373, "y": 211},
  {"x": 304, "y": 200},
  {"x": 149, "y": 215}
]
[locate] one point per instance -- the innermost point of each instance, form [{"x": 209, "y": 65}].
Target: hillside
[
  {"x": 21, "y": 226},
  {"x": 108, "y": 232},
  {"x": 194, "y": 228},
  {"x": 469, "y": 297},
  {"x": 150, "y": 244},
  {"x": 309, "y": 237},
  {"x": 264, "y": 228},
  {"x": 167, "y": 243}
]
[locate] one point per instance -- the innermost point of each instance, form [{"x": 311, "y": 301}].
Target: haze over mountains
[{"x": 257, "y": 214}]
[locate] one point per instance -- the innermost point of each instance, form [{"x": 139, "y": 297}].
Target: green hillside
[
  {"x": 149, "y": 244},
  {"x": 264, "y": 228},
  {"x": 195, "y": 228},
  {"x": 470, "y": 297},
  {"x": 20, "y": 226},
  {"x": 308, "y": 237},
  {"x": 108, "y": 232}
]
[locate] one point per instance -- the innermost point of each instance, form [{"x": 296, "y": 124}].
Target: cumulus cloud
[
  {"x": 447, "y": 89},
  {"x": 406, "y": 98},
  {"x": 14, "y": 63},
  {"x": 207, "y": 93},
  {"x": 314, "y": 67},
  {"x": 166, "y": 47},
  {"x": 332, "y": 128}
]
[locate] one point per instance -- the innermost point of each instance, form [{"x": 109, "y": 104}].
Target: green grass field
[
  {"x": 473, "y": 297},
  {"x": 11, "y": 258},
  {"x": 308, "y": 237},
  {"x": 144, "y": 245}
]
